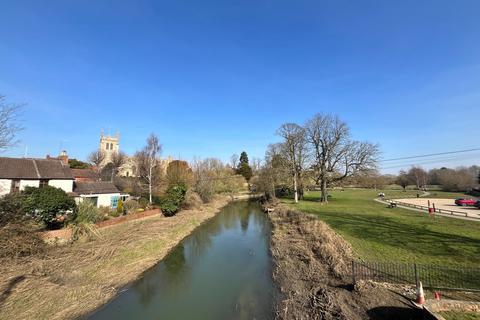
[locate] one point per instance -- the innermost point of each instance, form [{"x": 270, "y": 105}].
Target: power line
[
  {"x": 431, "y": 155},
  {"x": 430, "y": 161}
]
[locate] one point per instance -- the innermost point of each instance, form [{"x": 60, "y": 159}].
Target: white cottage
[
  {"x": 18, "y": 173},
  {"x": 102, "y": 194}
]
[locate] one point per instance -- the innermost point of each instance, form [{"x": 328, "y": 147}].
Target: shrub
[
  {"x": 173, "y": 199},
  {"x": 48, "y": 204},
  {"x": 120, "y": 207},
  {"x": 205, "y": 189},
  {"x": 87, "y": 212},
  {"x": 105, "y": 211},
  {"x": 169, "y": 207},
  {"x": 18, "y": 236},
  {"x": 83, "y": 224},
  {"x": 192, "y": 200},
  {"x": 114, "y": 213},
  {"x": 131, "y": 206},
  {"x": 143, "y": 202},
  {"x": 11, "y": 209}
]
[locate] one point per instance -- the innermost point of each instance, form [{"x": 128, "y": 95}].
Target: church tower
[{"x": 109, "y": 145}]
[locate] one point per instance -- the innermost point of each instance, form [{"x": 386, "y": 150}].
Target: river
[{"x": 223, "y": 270}]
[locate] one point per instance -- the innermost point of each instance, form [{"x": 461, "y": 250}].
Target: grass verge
[{"x": 396, "y": 235}]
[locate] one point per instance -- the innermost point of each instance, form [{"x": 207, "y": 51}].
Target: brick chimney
[{"x": 63, "y": 157}]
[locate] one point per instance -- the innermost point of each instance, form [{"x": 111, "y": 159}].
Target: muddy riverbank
[{"x": 312, "y": 270}]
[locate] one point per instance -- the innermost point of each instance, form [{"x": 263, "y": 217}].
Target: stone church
[{"x": 110, "y": 145}]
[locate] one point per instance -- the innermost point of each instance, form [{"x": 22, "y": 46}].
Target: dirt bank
[
  {"x": 312, "y": 271},
  {"x": 69, "y": 281}
]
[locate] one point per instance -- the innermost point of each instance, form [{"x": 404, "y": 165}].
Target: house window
[
  {"x": 43, "y": 183},
  {"x": 15, "y": 185},
  {"x": 92, "y": 200}
]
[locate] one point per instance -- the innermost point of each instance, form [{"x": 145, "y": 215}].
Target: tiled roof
[
  {"x": 94, "y": 188},
  {"x": 85, "y": 173},
  {"x": 25, "y": 168}
]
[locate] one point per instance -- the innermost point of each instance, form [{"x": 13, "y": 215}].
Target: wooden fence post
[
  {"x": 417, "y": 276},
  {"x": 353, "y": 272}
]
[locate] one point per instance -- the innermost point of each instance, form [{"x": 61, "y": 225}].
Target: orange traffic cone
[{"x": 420, "y": 294}]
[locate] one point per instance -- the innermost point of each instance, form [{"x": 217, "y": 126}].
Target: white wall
[
  {"x": 5, "y": 185},
  {"x": 29, "y": 183},
  {"x": 65, "y": 185},
  {"x": 104, "y": 200}
]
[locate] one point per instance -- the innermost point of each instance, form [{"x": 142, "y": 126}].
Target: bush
[
  {"x": 48, "y": 204},
  {"x": 18, "y": 236},
  {"x": 11, "y": 209},
  {"x": 131, "y": 206},
  {"x": 192, "y": 200},
  {"x": 173, "y": 199},
  {"x": 169, "y": 207},
  {"x": 83, "y": 224},
  {"x": 205, "y": 189},
  {"x": 105, "y": 212},
  {"x": 120, "y": 207},
  {"x": 87, "y": 212},
  {"x": 114, "y": 213},
  {"x": 143, "y": 202}
]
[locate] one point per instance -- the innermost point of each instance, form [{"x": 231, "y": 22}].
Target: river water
[{"x": 221, "y": 271}]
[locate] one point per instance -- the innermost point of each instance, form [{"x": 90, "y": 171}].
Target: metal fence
[{"x": 431, "y": 276}]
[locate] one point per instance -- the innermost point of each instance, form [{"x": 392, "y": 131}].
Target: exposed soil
[
  {"x": 312, "y": 271},
  {"x": 70, "y": 281}
]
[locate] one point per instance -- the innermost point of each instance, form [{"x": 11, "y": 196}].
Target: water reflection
[{"x": 221, "y": 271}]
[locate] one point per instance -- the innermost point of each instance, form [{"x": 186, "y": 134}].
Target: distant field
[{"x": 379, "y": 233}]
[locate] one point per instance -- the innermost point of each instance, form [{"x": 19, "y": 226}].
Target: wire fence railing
[{"x": 431, "y": 276}]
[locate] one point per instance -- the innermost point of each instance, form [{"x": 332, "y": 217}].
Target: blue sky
[{"x": 213, "y": 78}]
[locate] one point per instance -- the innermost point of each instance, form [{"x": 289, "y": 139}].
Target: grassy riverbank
[
  {"x": 379, "y": 233},
  {"x": 72, "y": 280}
]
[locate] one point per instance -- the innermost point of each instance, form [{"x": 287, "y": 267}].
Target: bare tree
[
  {"x": 234, "y": 161},
  {"x": 96, "y": 158},
  {"x": 9, "y": 127},
  {"x": 147, "y": 162},
  {"x": 403, "y": 180},
  {"x": 336, "y": 155},
  {"x": 256, "y": 165},
  {"x": 117, "y": 159},
  {"x": 418, "y": 176},
  {"x": 274, "y": 171},
  {"x": 294, "y": 150}
]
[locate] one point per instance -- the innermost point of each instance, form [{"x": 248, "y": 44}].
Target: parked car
[
  {"x": 477, "y": 204},
  {"x": 465, "y": 202}
]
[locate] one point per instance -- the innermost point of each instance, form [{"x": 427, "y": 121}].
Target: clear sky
[{"x": 213, "y": 78}]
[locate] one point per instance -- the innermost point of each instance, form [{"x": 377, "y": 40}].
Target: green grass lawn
[{"x": 378, "y": 233}]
